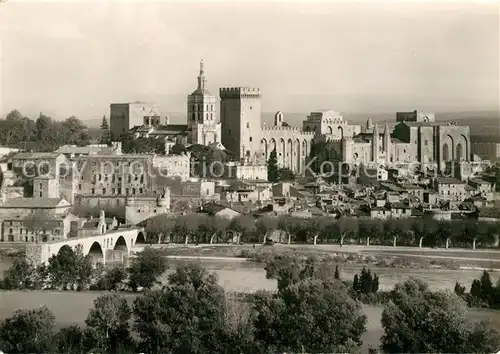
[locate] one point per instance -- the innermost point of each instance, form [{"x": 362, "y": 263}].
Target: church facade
[{"x": 416, "y": 138}]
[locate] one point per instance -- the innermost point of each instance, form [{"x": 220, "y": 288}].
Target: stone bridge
[{"x": 109, "y": 246}]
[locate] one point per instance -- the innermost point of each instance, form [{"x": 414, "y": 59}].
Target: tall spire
[
  {"x": 201, "y": 78},
  {"x": 375, "y": 145}
]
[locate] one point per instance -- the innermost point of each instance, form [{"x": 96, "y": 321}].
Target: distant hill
[{"x": 482, "y": 123}]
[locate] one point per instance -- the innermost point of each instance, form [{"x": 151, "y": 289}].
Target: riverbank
[{"x": 376, "y": 256}]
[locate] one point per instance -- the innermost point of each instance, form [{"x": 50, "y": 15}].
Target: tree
[
  {"x": 337, "y": 272},
  {"x": 106, "y": 134},
  {"x": 108, "y": 323},
  {"x": 19, "y": 275},
  {"x": 272, "y": 167},
  {"x": 265, "y": 225},
  {"x": 243, "y": 226},
  {"x": 288, "y": 270},
  {"x": 420, "y": 321},
  {"x": 70, "y": 340},
  {"x": 289, "y": 225},
  {"x": 187, "y": 316},
  {"x": 178, "y": 149},
  {"x": 75, "y": 131},
  {"x": 459, "y": 289},
  {"x": 69, "y": 268},
  {"x": 146, "y": 269},
  {"x": 346, "y": 226},
  {"x": 285, "y": 174},
  {"x": 309, "y": 316},
  {"x": 370, "y": 229},
  {"x": 482, "y": 289},
  {"x": 113, "y": 279},
  {"x": 159, "y": 227},
  {"x": 365, "y": 283},
  {"x": 27, "y": 331}
]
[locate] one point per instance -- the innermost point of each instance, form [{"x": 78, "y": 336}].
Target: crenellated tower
[{"x": 240, "y": 110}]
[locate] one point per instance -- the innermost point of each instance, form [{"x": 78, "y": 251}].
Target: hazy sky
[{"x": 76, "y": 58}]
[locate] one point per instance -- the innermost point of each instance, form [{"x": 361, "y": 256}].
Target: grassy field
[{"x": 73, "y": 307}]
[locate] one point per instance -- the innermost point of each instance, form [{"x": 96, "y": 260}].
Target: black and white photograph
[{"x": 249, "y": 177}]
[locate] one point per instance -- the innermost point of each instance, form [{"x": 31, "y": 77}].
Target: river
[{"x": 247, "y": 276}]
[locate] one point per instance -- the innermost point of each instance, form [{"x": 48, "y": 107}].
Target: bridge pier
[
  {"x": 96, "y": 259},
  {"x": 116, "y": 255}
]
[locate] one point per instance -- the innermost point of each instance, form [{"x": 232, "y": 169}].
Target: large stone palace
[{"x": 415, "y": 136}]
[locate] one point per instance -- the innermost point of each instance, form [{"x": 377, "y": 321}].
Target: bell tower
[{"x": 201, "y": 113}]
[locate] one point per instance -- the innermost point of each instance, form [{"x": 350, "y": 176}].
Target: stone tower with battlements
[{"x": 240, "y": 112}]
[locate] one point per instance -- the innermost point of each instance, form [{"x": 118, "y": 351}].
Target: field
[{"x": 73, "y": 307}]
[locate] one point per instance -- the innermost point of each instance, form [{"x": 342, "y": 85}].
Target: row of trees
[
  {"x": 42, "y": 134},
  {"x": 198, "y": 228},
  {"x": 70, "y": 270},
  {"x": 310, "y": 312}
]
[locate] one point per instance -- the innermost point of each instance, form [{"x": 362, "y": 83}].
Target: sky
[{"x": 76, "y": 58}]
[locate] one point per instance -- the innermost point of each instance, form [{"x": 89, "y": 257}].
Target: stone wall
[{"x": 34, "y": 253}]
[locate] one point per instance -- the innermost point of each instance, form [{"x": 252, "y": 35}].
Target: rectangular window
[
  {"x": 104, "y": 191},
  {"x": 40, "y": 194},
  {"x": 119, "y": 191},
  {"x": 133, "y": 190},
  {"x": 100, "y": 176},
  {"x": 140, "y": 190},
  {"x": 126, "y": 191},
  {"x": 426, "y": 142},
  {"x": 93, "y": 190},
  {"x": 112, "y": 191},
  {"x": 80, "y": 187}
]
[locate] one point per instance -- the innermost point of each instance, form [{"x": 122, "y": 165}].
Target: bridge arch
[
  {"x": 141, "y": 238},
  {"x": 96, "y": 253},
  {"x": 121, "y": 244}
]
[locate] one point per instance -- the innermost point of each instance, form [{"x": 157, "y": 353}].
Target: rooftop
[
  {"x": 38, "y": 203},
  {"x": 82, "y": 149},
  {"x": 448, "y": 180},
  {"x": 36, "y": 155}
]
